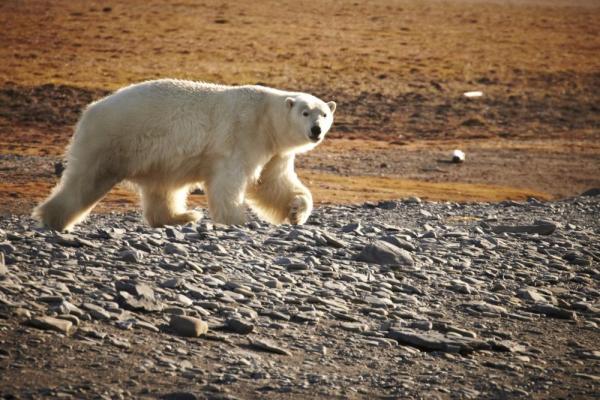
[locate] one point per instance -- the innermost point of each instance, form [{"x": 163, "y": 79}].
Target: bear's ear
[
  {"x": 290, "y": 102},
  {"x": 332, "y": 106}
]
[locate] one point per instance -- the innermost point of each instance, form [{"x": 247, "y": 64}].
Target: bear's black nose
[{"x": 315, "y": 130}]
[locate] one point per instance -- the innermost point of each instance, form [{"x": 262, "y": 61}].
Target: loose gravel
[{"x": 397, "y": 299}]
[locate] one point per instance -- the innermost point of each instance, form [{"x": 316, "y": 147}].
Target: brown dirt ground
[{"x": 396, "y": 69}]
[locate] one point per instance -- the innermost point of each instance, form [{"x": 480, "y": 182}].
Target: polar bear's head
[{"x": 310, "y": 119}]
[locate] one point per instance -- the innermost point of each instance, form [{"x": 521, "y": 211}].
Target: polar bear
[{"x": 167, "y": 136}]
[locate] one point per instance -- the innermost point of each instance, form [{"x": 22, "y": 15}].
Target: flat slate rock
[
  {"x": 384, "y": 253},
  {"x": 52, "y": 324},
  {"x": 129, "y": 302},
  {"x": 545, "y": 228},
  {"x": 552, "y": 311},
  {"x": 435, "y": 341},
  {"x": 179, "y": 396},
  {"x": 135, "y": 288},
  {"x": 239, "y": 326},
  {"x": 3, "y": 268},
  {"x": 269, "y": 347}
]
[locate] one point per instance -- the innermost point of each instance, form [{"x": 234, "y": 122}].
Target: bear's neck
[{"x": 274, "y": 126}]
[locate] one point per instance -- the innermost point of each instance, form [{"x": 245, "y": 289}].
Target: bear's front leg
[
  {"x": 300, "y": 209},
  {"x": 279, "y": 196}
]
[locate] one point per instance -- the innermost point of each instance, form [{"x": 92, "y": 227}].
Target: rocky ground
[{"x": 397, "y": 299}]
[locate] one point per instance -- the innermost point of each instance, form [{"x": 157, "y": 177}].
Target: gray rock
[
  {"x": 143, "y": 304},
  {"x": 119, "y": 342},
  {"x": 7, "y": 248},
  {"x": 176, "y": 248},
  {"x": 578, "y": 259},
  {"x": 173, "y": 233},
  {"x": 66, "y": 307},
  {"x": 179, "y": 396},
  {"x": 268, "y": 346},
  {"x": 482, "y": 306},
  {"x": 334, "y": 241},
  {"x": 173, "y": 283},
  {"x": 53, "y": 324},
  {"x": 3, "y": 268},
  {"x": 357, "y": 327},
  {"x": 541, "y": 228},
  {"x": 130, "y": 255},
  {"x": 384, "y": 253},
  {"x": 239, "y": 326},
  {"x": 96, "y": 312},
  {"x": 532, "y": 295},
  {"x": 460, "y": 287},
  {"x": 552, "y": 311},
  {"x": 435, "y": 341},
  {"x": 135, "y": 288},
  {"x": 399, "y": 242},
  {"x": 188, "y": 326}
]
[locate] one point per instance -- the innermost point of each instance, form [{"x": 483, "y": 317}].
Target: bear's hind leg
[
  {"x": 74, "y": 197},
  {"x": 225, "y": 192},
  {"x": 167, "y": 206}
]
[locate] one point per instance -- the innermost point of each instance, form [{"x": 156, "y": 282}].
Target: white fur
[{"x": 169, "y": 135}]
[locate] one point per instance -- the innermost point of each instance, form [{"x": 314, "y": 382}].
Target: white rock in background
[
  {"x": 473, "y": 94},
  {"x": 458, "y": 156}
]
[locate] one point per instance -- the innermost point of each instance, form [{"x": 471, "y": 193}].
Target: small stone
[
  {"x": 176, "y": 248},
  {"x": 265, "y": 345},
  {"x": 239, "y": 326},
  {"x": 384, "y": 253},
  {"x": 135, "y": 288},
  {"x": 552, "y": 311},
  {"x": 53, "y": 324},
  {"x": 22, "y": 312},
  {"x": 3, "y": 268},
  {"x": 173, "y": 283},
  {"x": 96, "y": 312},
  {"x": 435, "y": 341},
  {"x": 129, "y": 302},
  {"x": 146, "y": 325},
  {"x": 179, "y": 396},
  {"x": 541, "y": 228},
  {"x": 530, "y": 294},
  {"x": 334, "y": 242},
  {"x": 173, "y": 233},
  {"x": 130, "y": 255},
  {"x": 188, "y": 326},
  {"x": 399, "y": 242},
  {"x": 460, "y": 287},
  {"x": 274, "y": 284},
  {"x": 120, "y": 343},
  {"x": 578, "y": 259},
  {"x": 482, "y": 306},
  {"x": 357, "y": 327},
  {"x": 7, "y": 248}
]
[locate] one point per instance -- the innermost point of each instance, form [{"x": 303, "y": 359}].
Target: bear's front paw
[{"x": 300, "y": 210}]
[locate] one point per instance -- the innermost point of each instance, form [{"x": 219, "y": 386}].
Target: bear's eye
[
  {"x": 324, "y": 115},
  {"x": 305, "y": 113}
]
